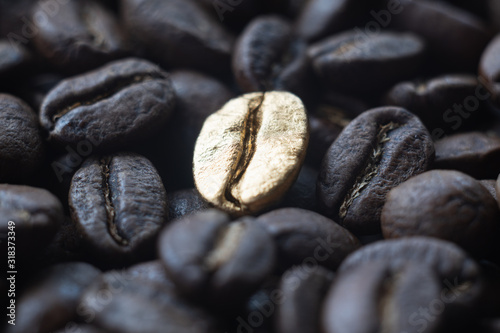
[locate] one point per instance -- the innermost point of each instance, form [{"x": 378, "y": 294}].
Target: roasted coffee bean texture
[
  {"x": 377, "y": 151},
  {"x": 250, "y": 166}
]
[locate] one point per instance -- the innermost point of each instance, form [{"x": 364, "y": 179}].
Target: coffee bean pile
[{"x": 250, "y": 166}]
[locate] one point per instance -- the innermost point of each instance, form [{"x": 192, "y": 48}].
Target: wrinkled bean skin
[
  {"x": 444, "y": 204},
  {"x": 117, "y": 104},
  {"x": 119, "y": 205},
  {"x": 377, "y": 151},
  {"x": 21, "y": 146}
]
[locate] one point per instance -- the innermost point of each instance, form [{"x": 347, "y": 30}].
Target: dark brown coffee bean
[
  {"x": 455, "y": 37},
  {"x": 474, "y": 153},
  {"x": 21, "y": 147},
  {"x": 355, "y": 64},
  {"x": 445, "y": 104},
  {"x": 36, "y": 215},
  {"x": 207, "y": 257},
  {"x": 268, "y": 57},
  {"x": 119, "y": 205},
  {"x": 150, "y": 272},
  {"x": 185, "y": 202},
  {"x": 111, "y": 107},
  {"x": 51, "y": 300},
  {"x": 302, "y": 194},
  {"x": 444, "y": 204},
  {"x": 490, "y": 185},
  {"x": 302, "y": 292},
  {"x": 77, "y": 35},
  {"x": 166, "y": 31},
  {"x": 489, "y": 68},
  {"x": 320, "y": 18},
  {"x": 377, "y": 151},
  {"x": 375, "y": 297},
  {"x": 304, "y": 236},
  {"x": 136, "y": 305},
  {"x": 456, "y": 271}
]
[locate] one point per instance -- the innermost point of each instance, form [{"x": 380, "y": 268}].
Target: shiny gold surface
[{"x": 249, "y": 153}]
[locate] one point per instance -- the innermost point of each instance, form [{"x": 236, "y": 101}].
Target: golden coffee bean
[{"x": 249, "y": 153}]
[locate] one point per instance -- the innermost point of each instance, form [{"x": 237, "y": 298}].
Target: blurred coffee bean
[
  {"x": 302, "y": 194},
  {"x": 185, "y": 202},
  {"x": 51, "y": 300},
  {"x": 130, "y": 298},
  {"x": 351, "y": 63},
  {"x": 80, "y": 328},
  {"x": 304, "y": 236},
  {"x": 166, "y": 30},
  {"x": 444, "y": 204},
  {"x": 119, "y": 205},
  {"x": 76, "y": 36},
  {"x": 489, "y": 69},
  {"x": 268, "y": 57},
  {"x": 208, "y": 258},
  {"x": 320, "y": 18},
  {"x": 445, "y": 104},
  {"x": 473, "y": 153},
  {"x": 457, "y": 272},
  {"x": 455, "y": 37},
  {"x": 303, "y": 290},
  {"x": 377, "y": 151},
  {"x": 373, "y": 297},
  {"x": 36, "y": 215},
  {"x": 113, "y": 106},
  {"x": 21, "y": 146},
  {"x": 34, "y": 90}
]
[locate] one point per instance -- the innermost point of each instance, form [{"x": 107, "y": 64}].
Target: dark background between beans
[{"x": 392, "y": 224}]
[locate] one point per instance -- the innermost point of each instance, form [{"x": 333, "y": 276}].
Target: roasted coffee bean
[
  {"x": 14, "y": 59},
  {"x": 320, "y": 18},
  {"x": 375, "y": 297},
  {"x": 197, "y": 97},
  {"x": 268, "y": 57},
  {"x": 356, "y": 65},
  {"x": 166, "y": 31},
  {"x": 303, "y": 236},
  {"x": 445, "y": 104},
  {"x": 456, "y": 271},
  {"x": 474, "y": 153},
  {"x": 110, "y": 107},
  {"x": 31, "y": 216},
  {"x": 444, "y": 204},
  {"x": 34, "y": 90},
  {"x": 150, "y": 272},
  {"x": 185, "y": 202},
  {"x": 377, "y": 151},
  {"x": 119, "y": 205},
  {"x": 51, "y": 300},
  {"x": 455, "y": 37},
  {"x": 232, "y": 164},
  {"x": 302, "y": 294},
  {"x": 136, "y": 305},
  {"x": 21, "y": 146},
  {"x": 490, "y": 185},
  {"x": 489, "y": 69},
  {"x": 208, "y": 258},
  {"x": 77, "y": 35}
]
